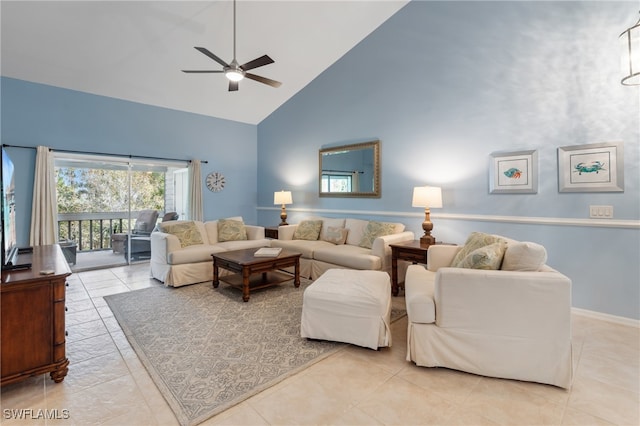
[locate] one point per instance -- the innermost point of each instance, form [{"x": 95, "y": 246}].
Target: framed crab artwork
[
  {"x": 513, "y": 172},
  {"x": 597, "y": 167}
]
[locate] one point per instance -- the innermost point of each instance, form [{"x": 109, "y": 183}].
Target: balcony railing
[{"x": 92, "y": 231}]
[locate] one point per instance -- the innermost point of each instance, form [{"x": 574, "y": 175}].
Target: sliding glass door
[{"x": 108, "y": 206}]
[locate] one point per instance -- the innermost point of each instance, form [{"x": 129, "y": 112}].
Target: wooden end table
[
  {"x": 245, "y": 264},
  {"x": 406, "y": 250},
  {"x": 271, "y": 232}
]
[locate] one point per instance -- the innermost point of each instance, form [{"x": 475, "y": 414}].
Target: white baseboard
[{"x": 606, "y": 317}]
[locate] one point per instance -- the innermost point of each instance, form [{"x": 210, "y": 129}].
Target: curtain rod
[{"x": 102, "y": 153}]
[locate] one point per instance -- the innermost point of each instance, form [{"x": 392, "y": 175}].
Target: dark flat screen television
[{"x": 9, "y": 245}]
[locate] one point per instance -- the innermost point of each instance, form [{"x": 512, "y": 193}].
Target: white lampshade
[
  {"x": 630, "y": 44},
  {"x": 427, "y": 196},
  {"x": 282, "y": 197}
]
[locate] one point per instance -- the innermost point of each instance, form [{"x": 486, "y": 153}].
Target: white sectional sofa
[
  {"x": 512, "y": 322},
  {"x": 332, "y": 250},
  {"x": 181, "y": 250}
]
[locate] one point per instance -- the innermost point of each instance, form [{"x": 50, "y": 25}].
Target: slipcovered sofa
[
  {"x": 495, "y": 310},
  {"x": 341, "y": 243},
  {"x": 181, "y": 250}
]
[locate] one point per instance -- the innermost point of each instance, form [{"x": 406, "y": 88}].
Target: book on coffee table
[{"x": 268, "y": 252}]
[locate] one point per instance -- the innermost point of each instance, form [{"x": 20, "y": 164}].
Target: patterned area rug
[{"x": 206, "y": 350}]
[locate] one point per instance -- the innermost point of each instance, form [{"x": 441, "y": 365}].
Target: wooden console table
[{"x": 32, "y": 317}]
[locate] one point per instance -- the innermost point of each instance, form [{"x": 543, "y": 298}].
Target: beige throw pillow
[
  {"x": 375, "y": 230},
  {"x": 524, "y": 256},
  {"x": 308, "y": 230},
  {"x": 187, "y": 232},
  {"x": 487, "y": 257},
  {"x": 231, "y": 230},
  {"x": 334, "y": 235}
]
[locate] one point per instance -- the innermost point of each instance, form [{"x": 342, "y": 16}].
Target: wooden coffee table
[{"x": 245, "y": 264}]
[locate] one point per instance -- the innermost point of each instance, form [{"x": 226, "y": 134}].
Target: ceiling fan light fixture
[{"x": 234, "y": 74}]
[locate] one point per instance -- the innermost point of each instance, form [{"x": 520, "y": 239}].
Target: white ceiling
[{"x": 134, "y": 50}]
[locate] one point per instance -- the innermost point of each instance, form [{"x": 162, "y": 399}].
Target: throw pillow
[
  {"x": 231, "y": 230},
  {"x": 334, "y": 235},
  {"x": 187, "y": 232},
  {"x": 374, "y": 230},
  {"x": 307, "y": 230},
  {"x": 474, "y": 241},
  {"x": 524, "y": 256},
  {"x": 487, "y": 257}
]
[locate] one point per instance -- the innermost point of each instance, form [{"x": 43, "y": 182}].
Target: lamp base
[
  {"x": 283, "y": 216},
  {"x": 427, "y": 240}
]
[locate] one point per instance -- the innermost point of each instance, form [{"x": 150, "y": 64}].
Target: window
[
  {"x": 337, "y": 183},
  {"x": 99, "y": 196}
]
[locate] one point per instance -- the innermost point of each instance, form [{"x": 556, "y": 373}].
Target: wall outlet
[{"x": 601, "y": 212}]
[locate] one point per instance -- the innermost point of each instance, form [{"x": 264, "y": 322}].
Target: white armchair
[{"x": 498, "y": 323}]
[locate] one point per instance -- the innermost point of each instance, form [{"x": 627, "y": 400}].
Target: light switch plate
[{"x": 601, "y": 212}]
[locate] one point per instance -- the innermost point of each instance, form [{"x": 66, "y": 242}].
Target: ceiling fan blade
[
  {"x": 258, "y": 62},
  {"x": 233, "y": 86},
  {"x": 264, "y": 80},
  {"x": 202, "y": 71},
  {"x": 212, "y": 56}
]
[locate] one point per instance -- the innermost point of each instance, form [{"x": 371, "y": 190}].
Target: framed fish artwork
[
  {"x": 597, "y": 167},
  {"x": 513, "y": 172}
]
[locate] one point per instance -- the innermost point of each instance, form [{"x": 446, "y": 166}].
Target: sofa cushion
[
  {"x": 474, "y": 241},
  {"x": 187, "y": 232},
  {"x": 356, "y": 230},
  {"x": 374, "y": 230},
  {"x": 328, "y": 222},
  {"x": 231, "y": 230},
  {"x": 487, "y": 257},
  {"x": 308, "y": 230},
  {"x": 193, "y": 254},
  {"x": 211, "y": 228},
  {"x": 334, "y": 234},
  {"x": 348, "y": 256},
  {"x": 306, "y": 247},
  {"x": 524, "y": 256},
  {"x": 244, "y": 244}
]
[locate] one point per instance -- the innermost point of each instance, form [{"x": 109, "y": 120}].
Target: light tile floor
[{"x": 108, "y": 385}]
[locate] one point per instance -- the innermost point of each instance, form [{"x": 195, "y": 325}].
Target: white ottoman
[{"x": 350, "y": 306}]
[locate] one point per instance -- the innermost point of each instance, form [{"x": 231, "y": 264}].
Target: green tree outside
[{"x": 82, "y": 190}]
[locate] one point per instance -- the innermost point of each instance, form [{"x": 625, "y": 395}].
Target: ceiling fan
[{"x": 233, "y": 71}]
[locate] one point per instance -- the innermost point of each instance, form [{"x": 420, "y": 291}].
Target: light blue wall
[
  {"x": 443, "y": 85},
  {"x": 36, "y": 114}
]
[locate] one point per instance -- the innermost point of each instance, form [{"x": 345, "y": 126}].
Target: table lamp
[
  {"x": 282, "y": 197},
  {"x": 427, "y": 197}
]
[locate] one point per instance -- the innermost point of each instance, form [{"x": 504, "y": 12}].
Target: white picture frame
[
  {"x": 597, "y": 167},
  {"x": 514, "y": 172}
]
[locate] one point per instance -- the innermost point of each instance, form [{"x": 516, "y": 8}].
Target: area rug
[{"x": 206, "y": 350}]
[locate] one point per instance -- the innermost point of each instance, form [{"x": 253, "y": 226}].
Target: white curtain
[
  {"x": 195, "y": 191},
  {"x": 44, "y": 212}
]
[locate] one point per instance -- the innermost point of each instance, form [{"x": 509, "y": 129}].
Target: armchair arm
[
  {"x": 506, "y": 303},
  {"x": 380, "y": 246},
  {"x": 441, "y": 255},
  {"x": 254, "y": 232},
  {"x": 285, "y": 232},
  {"x": 161, "y": 245}
]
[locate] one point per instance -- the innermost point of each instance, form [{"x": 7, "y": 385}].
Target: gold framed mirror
[{"x": 350, "y": 170}]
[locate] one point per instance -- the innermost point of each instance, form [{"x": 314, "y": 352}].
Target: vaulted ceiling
[{"x": 135, "y": 50}]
